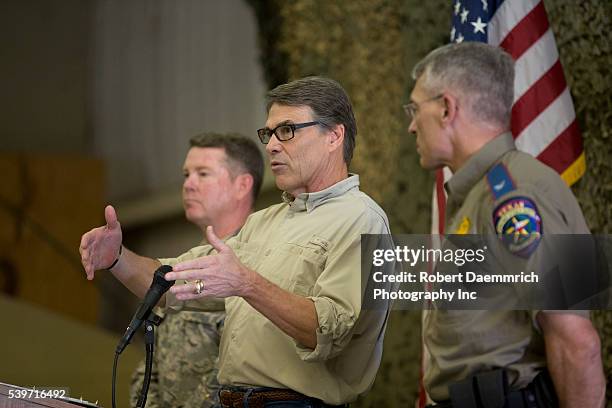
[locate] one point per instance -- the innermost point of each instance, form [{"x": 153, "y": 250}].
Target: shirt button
[{"x": 267, "y": 252}]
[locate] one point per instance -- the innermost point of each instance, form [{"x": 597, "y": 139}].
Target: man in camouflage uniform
[{"x": 223, "y": 176}]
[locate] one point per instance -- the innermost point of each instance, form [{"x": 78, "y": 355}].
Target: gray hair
[
  {"x": 243, "y": 155},
  {"x": 327, "y": 99},
  {"x": 482, "y": 74}
]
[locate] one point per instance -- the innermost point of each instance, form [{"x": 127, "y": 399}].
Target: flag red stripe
[
  {"x": 564, "y": 150},
  {"x": 441, "y": 195},
  {"x": 526, "y": 32},
  {"x": 422, "y": 392},
  {"x": 541, "y": 94}
]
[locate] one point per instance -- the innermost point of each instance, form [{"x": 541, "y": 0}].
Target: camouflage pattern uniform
[{"x": 185, "y": 360}]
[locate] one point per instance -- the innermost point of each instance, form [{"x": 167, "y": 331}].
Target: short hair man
[
  {"x": 460, "y": 113},
  {"x": 223, "y": 175},
  {"x": 291, "y": 277}
]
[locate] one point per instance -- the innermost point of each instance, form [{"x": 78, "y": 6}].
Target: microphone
[{"x": 159, "y": 286}]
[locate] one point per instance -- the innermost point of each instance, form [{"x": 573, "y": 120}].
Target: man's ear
[
  {"x": 450, "y": 109},
  {"x": 335, "y": 137},
  {"x": 244, "y": 185}
]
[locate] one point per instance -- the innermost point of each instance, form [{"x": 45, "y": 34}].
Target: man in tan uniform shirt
[
  {"x": 460, "y": 113},
  {"x": 295, "y": 332}
]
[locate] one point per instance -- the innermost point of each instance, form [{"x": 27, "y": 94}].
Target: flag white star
[
  {"x": 464, "y": 15},
  {"x": 459, "y": 38},
  {"x": 479, "y": 26},
  {"x": 484, "y": 5},
  {"x": 453, "y": 32},
  {"x": 457, "y": 7}
]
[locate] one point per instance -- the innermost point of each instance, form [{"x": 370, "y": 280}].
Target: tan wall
[
  {"x": 46, "y": 203},
  {"x": 43, "y": 68},
  {"x": 44, "y": 349}
]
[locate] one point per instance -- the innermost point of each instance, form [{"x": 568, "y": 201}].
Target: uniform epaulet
[{"x": 516, "y": 219}]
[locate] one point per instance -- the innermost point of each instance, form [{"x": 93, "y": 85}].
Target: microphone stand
[{"x": 149, "y": 337}]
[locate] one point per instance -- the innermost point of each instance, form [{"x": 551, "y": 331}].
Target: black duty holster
[{"x": 491, "y": 390}]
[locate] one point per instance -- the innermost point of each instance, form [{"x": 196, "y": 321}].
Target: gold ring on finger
[{"x": 199, "y": 285}]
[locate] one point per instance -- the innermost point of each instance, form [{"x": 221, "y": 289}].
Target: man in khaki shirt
[
  {"x": 294, "y": 331},
  {"x": 460, "y": 113}
]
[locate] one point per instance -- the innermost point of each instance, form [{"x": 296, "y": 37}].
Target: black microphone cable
[
  {"x": 115, "y": 377},
  {"x": 144, "y": 314}
]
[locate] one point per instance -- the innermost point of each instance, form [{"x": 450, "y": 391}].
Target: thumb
[
  {"x": 111, "y": 217},
  {"x": 214, "y": 240}
]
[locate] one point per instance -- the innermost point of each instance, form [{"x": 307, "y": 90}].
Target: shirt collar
[
  {"x": 309, "y": 201},
  {"x": 476, "y": 166}
]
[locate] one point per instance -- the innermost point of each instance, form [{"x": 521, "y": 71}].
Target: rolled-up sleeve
[
  {"x": 337, "y": 293},
  {"x": 333, "y": 333}
]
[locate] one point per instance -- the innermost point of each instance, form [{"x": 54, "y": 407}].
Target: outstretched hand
[
  {"x": 222, "y": 274},
  {"x": 100, "y": 247}
]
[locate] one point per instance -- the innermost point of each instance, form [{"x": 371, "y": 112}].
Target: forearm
[
  {"x": 293, "y": 314},
  {"x": 135, "y": 271},
  {"x": 574, "y": 359},
  {"x": 578, "y": 377}
]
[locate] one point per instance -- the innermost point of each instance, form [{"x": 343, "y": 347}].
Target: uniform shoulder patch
[{"x": 518, "y": 225}]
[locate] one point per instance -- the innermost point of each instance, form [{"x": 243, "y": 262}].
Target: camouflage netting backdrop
[{"x": 370, "y": 46}]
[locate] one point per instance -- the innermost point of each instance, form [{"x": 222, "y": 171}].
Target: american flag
[{"x": 543, "y": 117}]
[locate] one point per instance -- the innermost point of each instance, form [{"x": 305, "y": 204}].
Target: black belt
[{"x": 523, "y": 398}]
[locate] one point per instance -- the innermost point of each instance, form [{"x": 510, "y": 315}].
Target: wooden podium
[{"x": 9, "y": 392}]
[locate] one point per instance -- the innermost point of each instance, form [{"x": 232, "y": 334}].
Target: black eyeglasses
[{"x": 283, "y": 132}]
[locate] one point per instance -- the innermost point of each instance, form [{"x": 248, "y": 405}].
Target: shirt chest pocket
[
  {"x": 248, "y": 253},
  {"x": 296, "y": 266}
]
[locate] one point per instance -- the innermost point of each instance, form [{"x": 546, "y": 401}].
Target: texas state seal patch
[{"x": 518, "y": 225}]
